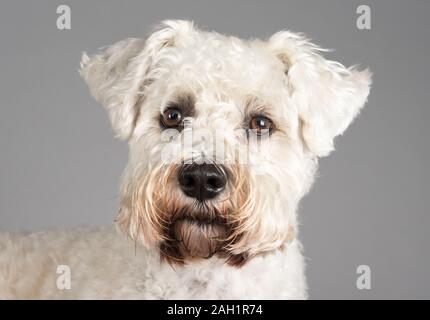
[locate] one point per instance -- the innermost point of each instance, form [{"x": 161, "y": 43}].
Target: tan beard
[{"x": 200, "y": 239}]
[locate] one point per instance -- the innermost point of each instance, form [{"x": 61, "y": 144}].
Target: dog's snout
[{"x": 203, "y": 181}]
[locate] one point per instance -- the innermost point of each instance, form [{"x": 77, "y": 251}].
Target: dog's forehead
[{"x": 212, "y": 60}]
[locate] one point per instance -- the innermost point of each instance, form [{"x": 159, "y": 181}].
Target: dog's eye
[
  {"x": 261, "y": 125},
  {"x": 171, "y": 118}
]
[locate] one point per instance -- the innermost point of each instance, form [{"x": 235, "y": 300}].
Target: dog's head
[{"x": 224, "y": 135}]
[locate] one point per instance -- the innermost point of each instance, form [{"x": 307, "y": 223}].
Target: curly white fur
[
  {"x": 106, "y": 265},
  {"x": 310, "y": 99}
]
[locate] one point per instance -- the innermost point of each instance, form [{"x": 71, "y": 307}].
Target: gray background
[{"x": 60, "y": 166}]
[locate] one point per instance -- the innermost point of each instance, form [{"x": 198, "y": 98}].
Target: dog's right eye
[{"x": 171, "y": 118}]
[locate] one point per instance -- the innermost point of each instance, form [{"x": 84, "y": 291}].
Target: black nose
[{"x": 203, "y": 181}]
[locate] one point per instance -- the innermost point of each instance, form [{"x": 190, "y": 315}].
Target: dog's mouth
[
  {"x": 200, "y": 234},
  {"x": 199, "y": 238}
]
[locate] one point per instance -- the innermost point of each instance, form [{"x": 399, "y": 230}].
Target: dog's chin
[{"x": 199, "y": 239}]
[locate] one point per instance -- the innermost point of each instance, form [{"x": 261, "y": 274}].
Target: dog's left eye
[
  {"x": 261, "y": 125},
  {"x": 171, "y": 118}
]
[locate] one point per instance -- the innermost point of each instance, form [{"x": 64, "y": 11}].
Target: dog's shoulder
[{"x": 31, "y": 264}]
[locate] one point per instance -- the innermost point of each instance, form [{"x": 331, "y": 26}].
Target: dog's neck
[{"x": 279, "y": 272}]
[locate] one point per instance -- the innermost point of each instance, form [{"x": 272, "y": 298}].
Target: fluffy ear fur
[
  {"x": 118, "y": 76},
  {"x": 328, "y": 95}
]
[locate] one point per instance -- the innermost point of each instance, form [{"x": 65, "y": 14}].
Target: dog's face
[{"x": 224, "y": 135}]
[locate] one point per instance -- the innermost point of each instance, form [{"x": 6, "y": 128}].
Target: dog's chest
[{"x": 276, "y": 276}]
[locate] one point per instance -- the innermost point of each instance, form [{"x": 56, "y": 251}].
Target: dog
[{"x": 224, "y": 138}]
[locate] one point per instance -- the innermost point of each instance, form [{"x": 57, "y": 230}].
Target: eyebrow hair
[
  {"x": 185, "y": 102},
  {"x": 255, "y": 106}
]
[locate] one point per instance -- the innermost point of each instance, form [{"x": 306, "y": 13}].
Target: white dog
[{"x": 204, "y": 220}]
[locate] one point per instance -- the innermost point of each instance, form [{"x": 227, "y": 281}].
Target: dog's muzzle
[{"x": 199, "y": 228}]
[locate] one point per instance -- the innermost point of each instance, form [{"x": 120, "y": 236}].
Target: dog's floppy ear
[
  {"x": 328, "y": 95},
  {"x": 118, "y": 76}
]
